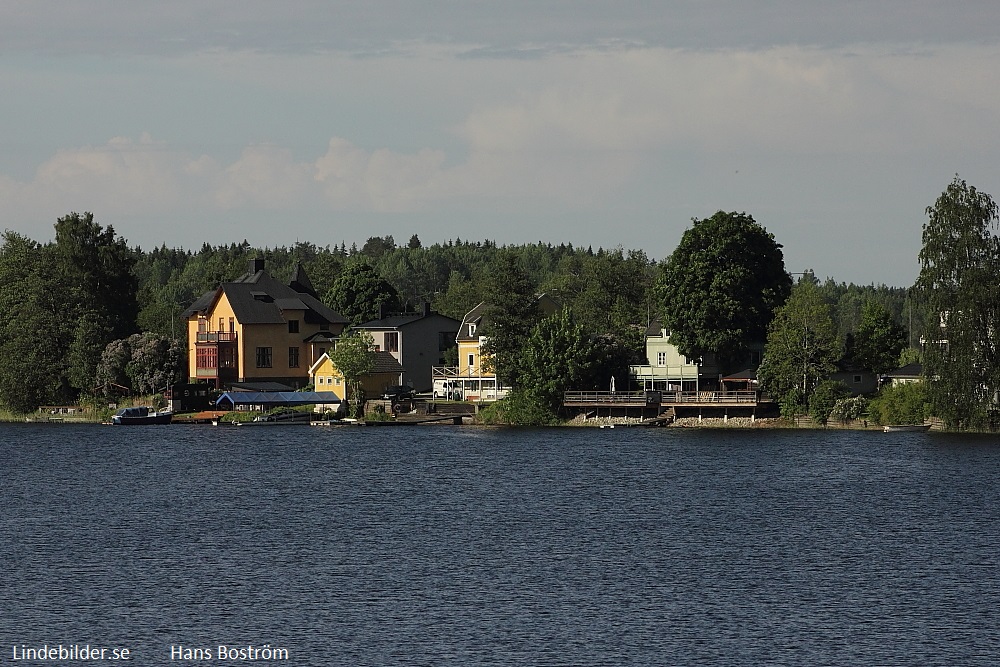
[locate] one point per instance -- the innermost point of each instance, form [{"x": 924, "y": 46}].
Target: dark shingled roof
[
  {"x": 257, "y": 298},
  {"x": 474, "y": 316},
  {"x": 909, "y": 370},
  {"x": 386, "y": 363},
  {"x": 300, "y": 282}
]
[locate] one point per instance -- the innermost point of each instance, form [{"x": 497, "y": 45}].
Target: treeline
[
  {"x": 607, "y": 289},
  {"x": 62, "y": 304}
]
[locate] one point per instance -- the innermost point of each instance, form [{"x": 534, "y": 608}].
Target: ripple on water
[{"x": 497, "y": 547}]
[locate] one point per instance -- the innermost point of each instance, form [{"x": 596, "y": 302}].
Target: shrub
[
  {"x": 848, "y": 409},
  {"x": 900, "y": 404},
  {"x": 519, "y": 408},
  {"x": 824, "y": 398}
]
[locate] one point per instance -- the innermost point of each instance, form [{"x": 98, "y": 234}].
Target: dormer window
[{"x": 472, "y": 329}]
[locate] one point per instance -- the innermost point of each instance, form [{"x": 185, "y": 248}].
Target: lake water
[{"x": 442, "y": 545}]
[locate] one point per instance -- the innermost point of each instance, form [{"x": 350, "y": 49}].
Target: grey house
[{"x": 418, "y": 341}]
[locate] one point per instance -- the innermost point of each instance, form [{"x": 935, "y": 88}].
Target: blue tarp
[{"x": 277, "y": 398}]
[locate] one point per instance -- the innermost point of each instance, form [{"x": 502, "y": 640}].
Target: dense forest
[{"x": 65, "y": 302}]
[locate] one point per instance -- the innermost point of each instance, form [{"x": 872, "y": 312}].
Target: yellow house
[
  {"x": 256, "y": 329},
  {"x": 327, "y": 377},
  {"x": 472, "y": 379}
]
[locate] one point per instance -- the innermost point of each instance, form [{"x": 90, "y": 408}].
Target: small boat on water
[
  {"x": 285, "y": 418},
  {"x": 899, "y": 428},
  {"x": 140, "y": 416}
]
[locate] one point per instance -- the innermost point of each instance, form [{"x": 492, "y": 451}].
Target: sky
[{"x": 592, "y": 122}]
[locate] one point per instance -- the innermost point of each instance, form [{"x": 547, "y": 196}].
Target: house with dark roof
[
  {"x": 417, "y": 341},
  {"x": 908, "y": 374},
  {"x": 386, "y": 373},
  {"x": 257, "y": 329},
  {"x": 473, "y": 379}
]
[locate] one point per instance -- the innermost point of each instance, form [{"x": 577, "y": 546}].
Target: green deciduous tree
[
  {"x": 60, "y": 304},
  {"x": 146, "y": 363},
  {"x": 901, "y": 404},
  {"x": 354, "y": 357},
  {"x": 558, "y": 356},
  {"x": 720, "y": 287},
  {"x": 824, "y": 399},
  {"x": 802, "y": 344},
  {"x": 960, "y": 281},
  {"x": 359, "y": 292},
  {"x": 876, "y": 343}
]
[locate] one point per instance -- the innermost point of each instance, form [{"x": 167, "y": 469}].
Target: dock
[{"x": 658, "y": 408}]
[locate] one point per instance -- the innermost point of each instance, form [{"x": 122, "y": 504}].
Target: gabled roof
[
  {"x": 384, "y": 363},
  {"x": 257, "y": 298},
  {"x": 300, "y": 281},
  {"x": 401, "y": 320},
  {"x": 546, "y": 304},
  {"x": 913, "y": 370},
  {"x": 474, "y": 316}
]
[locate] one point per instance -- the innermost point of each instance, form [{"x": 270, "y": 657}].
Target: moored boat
[
  {"x": 286, "y": 418},
  {"x": 140, "y": 416},
  {"x": 897, "y": 428}
]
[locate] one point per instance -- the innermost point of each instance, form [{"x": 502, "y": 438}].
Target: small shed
[{"x": 745, "y": 380}]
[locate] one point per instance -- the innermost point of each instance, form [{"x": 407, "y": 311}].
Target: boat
[
  {"x": 899, "y": 428},
  {"x": 285, "y": 418},
  {"x": 140, "y": 416}
]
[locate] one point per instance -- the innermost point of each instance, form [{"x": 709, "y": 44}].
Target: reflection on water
[{"x": 454, "y": 546}]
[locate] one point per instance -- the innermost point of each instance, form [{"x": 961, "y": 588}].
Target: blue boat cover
[{"x": 277, "y": 397}]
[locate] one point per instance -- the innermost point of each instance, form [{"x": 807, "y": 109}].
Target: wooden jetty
[{"x": 661, "y": 407}]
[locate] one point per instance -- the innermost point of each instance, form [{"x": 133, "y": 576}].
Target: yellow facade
[
  {"x": 470, "y": 359},
  {"x": 260, "y": 352},
  {"x": 327, "y": 377}
]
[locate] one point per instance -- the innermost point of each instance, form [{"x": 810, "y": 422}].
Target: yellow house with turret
[{"x": 256, "y": 329}]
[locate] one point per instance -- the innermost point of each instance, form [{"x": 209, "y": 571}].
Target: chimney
[
  {"x": 427, "y": 308},
  {"x": 256, "y": 264},
  {"x": 381, "y": 311}
]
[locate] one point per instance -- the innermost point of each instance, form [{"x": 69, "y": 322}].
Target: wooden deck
[{"x": 604, "y": 399}]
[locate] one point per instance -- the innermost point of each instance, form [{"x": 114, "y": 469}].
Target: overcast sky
[{"x": 835, "y": 124}]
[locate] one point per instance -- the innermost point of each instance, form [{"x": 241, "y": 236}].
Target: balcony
[{"x": 216, "y": 337}]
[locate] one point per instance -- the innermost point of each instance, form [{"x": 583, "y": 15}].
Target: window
[
  {"x": 857, "y": 379},
  {"x": 293, "y": 326},
  {"x": 207, "y": 357},
  {"x": 472, "y": 360},
  {"x": 232, "y": 325},
  {"x": 472, "y": 329},
  {"x": 661, "y": 358},
  {"x": 293, "y": 357},
  {"x": 202, "y": 325},
  {"x": 392, "y": 341},
  {"x": 222, "y": 322},
  {"x": 263, "y": 357}
]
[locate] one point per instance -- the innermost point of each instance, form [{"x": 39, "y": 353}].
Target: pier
[{"x": 666, "y": 405}]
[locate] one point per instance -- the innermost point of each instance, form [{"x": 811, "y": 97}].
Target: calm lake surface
[{"x": 439, "y": 545}]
